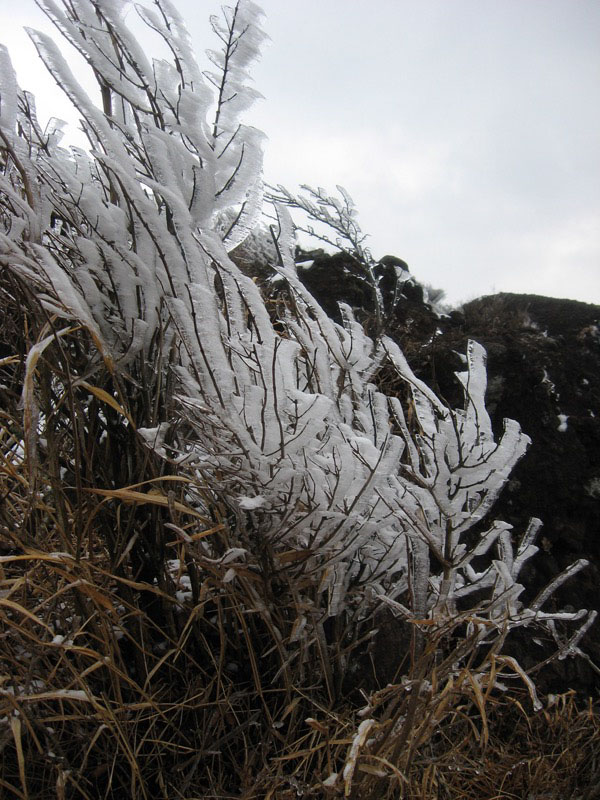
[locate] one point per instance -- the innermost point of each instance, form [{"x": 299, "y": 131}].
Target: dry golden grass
[{"x": 97, "y": 701}]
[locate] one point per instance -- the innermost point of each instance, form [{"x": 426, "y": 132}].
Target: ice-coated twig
[{"x": 384, "y": 497}]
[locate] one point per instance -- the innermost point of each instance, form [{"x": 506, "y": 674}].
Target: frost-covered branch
[
  {"x": 337, "y": 224},
  {"x": 377, "y": 498}
]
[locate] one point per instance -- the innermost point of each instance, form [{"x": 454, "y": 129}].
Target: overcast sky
[{"x": 467, "y": 131}]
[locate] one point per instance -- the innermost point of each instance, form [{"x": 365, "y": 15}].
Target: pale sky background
[{"x": 467, "y": 131}]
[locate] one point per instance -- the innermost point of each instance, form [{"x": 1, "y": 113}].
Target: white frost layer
[{"x": 562, "y": 427}]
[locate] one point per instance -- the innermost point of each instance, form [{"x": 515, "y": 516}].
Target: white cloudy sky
[{"x": 467, "y": 131}]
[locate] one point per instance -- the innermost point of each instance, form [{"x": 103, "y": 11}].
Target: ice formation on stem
[{"x": 382, "y": 498}]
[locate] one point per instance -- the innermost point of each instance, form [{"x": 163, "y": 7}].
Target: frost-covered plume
[
  {"x": 370, "y": 498},
  {"x": 170, "y": 165}
]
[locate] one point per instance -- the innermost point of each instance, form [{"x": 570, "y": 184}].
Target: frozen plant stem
[{"x": 370, "y": 499}]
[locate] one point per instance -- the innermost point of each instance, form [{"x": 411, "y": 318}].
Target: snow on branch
[{"x": 382, "y": 497}]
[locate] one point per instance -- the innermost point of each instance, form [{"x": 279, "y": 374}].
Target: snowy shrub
[{"x": 359, "y": 498}]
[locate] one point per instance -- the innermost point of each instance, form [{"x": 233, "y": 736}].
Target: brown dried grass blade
[
  {"x": 28, "y": 398},
  {"x": 480, "y": 702},
  {"x": 105, "y": 397},
  {"x": 15, "y": 727},
  {"x": 152, "y": 497},
  {"x": 518, "y": 669},
  {"x": 357, "y": 743}
]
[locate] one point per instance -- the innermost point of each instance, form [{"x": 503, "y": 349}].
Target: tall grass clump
[{"x": 211, "y": 501}]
